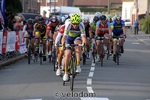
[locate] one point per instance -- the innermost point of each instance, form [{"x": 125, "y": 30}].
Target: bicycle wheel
[
  {"x": 29, "y": 54},
  {"x": 54, "y": 58},
  {"x": 84, "y": 58},
  {"x": 41, "y": 58},
  {"x": 117, "y": 55},
  {"x": 72, "y": 74},
  {"x": 108, "y": 53}
]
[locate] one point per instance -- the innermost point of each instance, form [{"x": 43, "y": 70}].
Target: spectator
[
  {"x": 136, "y": 26},
  {"x": 18, "y": 26},
  {"x": 1, "y": 24}
]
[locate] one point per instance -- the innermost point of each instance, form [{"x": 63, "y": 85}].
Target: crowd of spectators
[{"x": 13, "y": 23}]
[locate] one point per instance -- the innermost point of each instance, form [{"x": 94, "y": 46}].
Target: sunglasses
[{"x": 75, "y": 23}]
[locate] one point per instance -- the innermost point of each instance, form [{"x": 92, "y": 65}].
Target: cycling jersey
[
  {"x": 72, "y": 33},
  {"x": 117, "y": 28},
  {"x": 87, "y": 29},
  {"x": 51, "y": 27},
  {"x": 60, "y": 33},
  {"x": 93, "y": 26},
  {"x": 103, "y": 28}
]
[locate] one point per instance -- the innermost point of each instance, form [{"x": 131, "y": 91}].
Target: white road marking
[
  {"x": 93, "y": 64},
  {"x": 31, "y": 99},
  {"x": 91, "y": 74},
  {"x": 135, "y": 43},
  {"x": 89, "y": 81},
  {"x": 94, "y": 98},
  {"x": 90, "y": 90},
  {"x": 92, "y": 68}
]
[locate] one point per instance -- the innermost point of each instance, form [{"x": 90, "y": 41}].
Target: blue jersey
[{"x": 117, "y": 28}]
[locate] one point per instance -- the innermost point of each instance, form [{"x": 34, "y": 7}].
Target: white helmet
[
  {"x": 63, "y": 19},
  {"x": 98, "y": 14},
  {"x": 67, "y": 21},
  {"x": 85, "y": 19}
]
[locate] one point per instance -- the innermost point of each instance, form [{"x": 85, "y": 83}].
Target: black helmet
[
  {"x": 41, "y": 19},
  {"x": 103, "y": 17},
  {"x": 54, "y": 19},
  {"x": 96, "y": 19},
  {"x": 30, "y": 21}
]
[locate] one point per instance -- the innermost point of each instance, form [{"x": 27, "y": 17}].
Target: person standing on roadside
[{"x": 136, "y": 26}]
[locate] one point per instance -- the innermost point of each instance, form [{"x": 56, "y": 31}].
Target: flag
[{"x": 2, "y": 11}]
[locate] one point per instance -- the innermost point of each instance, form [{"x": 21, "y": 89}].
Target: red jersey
[{"x": 62, "y": 28}]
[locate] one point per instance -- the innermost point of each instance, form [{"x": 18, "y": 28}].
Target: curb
[{"x": 13, "y": 60}]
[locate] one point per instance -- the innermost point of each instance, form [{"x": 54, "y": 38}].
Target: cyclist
[
  {"x": 118, "y": 29},
  {"x": 50, "y": 32},
  {"x": 28, "y": 29},
  {"x": 88, "y": 31},
  {"x": 40, "y": 32},
  {"x": 102, "y": 30},
  {"x": 72, "y": 35},
  {"x": 60, "y": 51},
  {"x": 57, "y": 41},
  {"x": 109, "y": 18}
]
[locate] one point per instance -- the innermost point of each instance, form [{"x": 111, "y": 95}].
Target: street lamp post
[
  {"x": 147, "y": 14},
  {"x": 108, "y": 6}
]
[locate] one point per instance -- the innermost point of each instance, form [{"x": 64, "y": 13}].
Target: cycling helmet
[
  {"x": 75, "y": 18},
  {"x": 30, "y": 21},
  {"x": 96, "y": 18},
  {"x": 118, "y": 17},
  {"x": 103, "y": 17},
  {"x": 85, "y": 20},
  {"x": 63, "y": 19},
  {"x": 98, "y": 14},
  {"x": 54, "y": 19},
  {"x": 67, "y": 16},
  {"x": 41, "y": 19}
]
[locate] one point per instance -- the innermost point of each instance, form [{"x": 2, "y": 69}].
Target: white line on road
[
  {"x": 91, "y": 74},
  {"x": 135, "y": 43},
  {"x": 89, "y": 81},
  {"x": 93, "y": 64},
  {"x": 94, "y": 98},
  {"x": 90, "y": 90},
  {"x": 31, "y": 99},
  {"x": 92, "y": 68}
]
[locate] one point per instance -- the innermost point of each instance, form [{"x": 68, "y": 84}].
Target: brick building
[{"x": 34, "y": 5}]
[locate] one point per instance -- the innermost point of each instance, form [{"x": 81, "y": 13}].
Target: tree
[{"x": 14, "y": 6}]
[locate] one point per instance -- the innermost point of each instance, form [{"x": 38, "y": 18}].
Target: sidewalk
[
  {"x": 141, "y": 36},
  {"x": 12, "y": 60}
]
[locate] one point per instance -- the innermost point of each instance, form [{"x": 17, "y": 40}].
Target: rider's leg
[
  {"x": 121, "y": 45},
  {"x": 37, "y": 40},
  {"x": 88, "y": 48},
  {"x": 60, "y": 56},
  {"x": 50, "y": 44},
  {"x": 78, "y": 55},
  {"x": 67, "y": 62},
  {"x": 114, "y": 48}
]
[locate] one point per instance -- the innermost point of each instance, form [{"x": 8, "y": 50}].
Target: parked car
[
  {"x": 30, "y": 15},
  {"x": 128, "y": 23}
]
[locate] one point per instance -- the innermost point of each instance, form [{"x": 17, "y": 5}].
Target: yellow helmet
[{"x": 75, "y": 18}]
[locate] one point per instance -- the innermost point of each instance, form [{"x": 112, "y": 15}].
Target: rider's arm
[
  {"x": 97, "y": 28},
  {"x": 90, "y": 32},
  {"x": 34, "y": 29},
  {"x": 109, "y": 28},
  {"x": 123, "y": 27},
  {"x": 58, "y": 38},
  {"x": 82, "y": 30}
]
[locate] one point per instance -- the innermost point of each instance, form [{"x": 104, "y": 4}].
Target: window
[{"x": 52, "y": 0}]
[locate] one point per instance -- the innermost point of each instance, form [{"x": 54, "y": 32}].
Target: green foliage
[
  {"x": 144, "y": 24},
  {"x": 13, "y": 6}
]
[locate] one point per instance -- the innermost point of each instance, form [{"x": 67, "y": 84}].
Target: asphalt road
[{"x": 128, "y": 81}]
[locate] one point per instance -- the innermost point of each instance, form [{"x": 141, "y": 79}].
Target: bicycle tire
[
  {"x": 54, "y": 60},
  {"x": 72, "y": 74},
  {"x": 41, "y": 58},
  {"x": 29, "y": 54},
  {"x": 93, "y": 54},
  {"x": 117, "y": 55},
  {"x": 108, "y": 53},
  {"x": 84, "y": 58}
]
